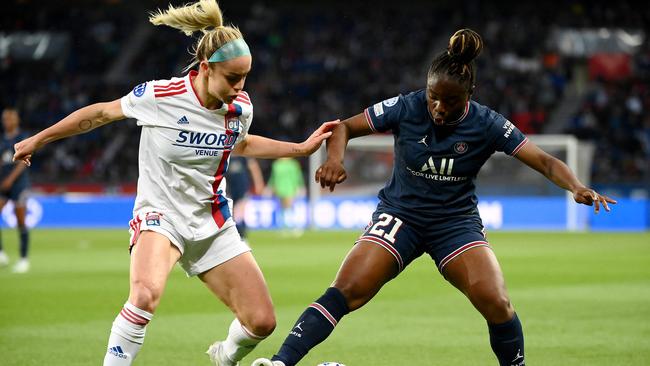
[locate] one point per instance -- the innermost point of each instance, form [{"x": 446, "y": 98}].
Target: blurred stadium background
[{"x": 579, "y": 69}]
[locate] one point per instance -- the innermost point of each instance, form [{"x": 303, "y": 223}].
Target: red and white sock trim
[
  {"x": 134, "y": 315},
  {"x": 461, "y": 250},
  {"x": 321, "y": 309}
]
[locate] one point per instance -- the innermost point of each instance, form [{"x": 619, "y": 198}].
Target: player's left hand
[
  {"x": 590, "y": 197},
  {"x": 314, "y": 141},
  {"x": 24, "y": 150}
]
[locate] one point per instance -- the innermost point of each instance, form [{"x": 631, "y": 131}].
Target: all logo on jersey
[
  {"x": 138, "y": 91},
  {"x": 183, "y": 121},
  {"x": 460, "y": 147},
  {"x": 440, "y": 170},
  {"x": 444, "y": 168}
]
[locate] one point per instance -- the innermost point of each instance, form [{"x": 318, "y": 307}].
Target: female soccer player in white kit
[{"x": 190, "y": 126}]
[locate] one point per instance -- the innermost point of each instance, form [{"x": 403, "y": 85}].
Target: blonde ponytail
[
  {"x": 190, "y": 18},
  {"x": 204, "y": 16}
]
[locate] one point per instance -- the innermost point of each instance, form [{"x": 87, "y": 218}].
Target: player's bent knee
[
  {"x": 261, "y": 324},
  {"x": 355, "y": 296},
  {"x": 495, "y": 307},
  {"x": 145, "y": 296}
]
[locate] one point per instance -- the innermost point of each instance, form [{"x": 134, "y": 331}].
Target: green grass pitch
[{"x": 584, "y": 299}]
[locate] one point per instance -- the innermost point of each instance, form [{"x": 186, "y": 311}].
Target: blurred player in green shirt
[{"x": 287, "y": 183}]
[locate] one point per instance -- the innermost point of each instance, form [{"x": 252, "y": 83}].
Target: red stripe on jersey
[
  {"x": 244, "y": 96},
  {"x": 170, "y": 85},
  {"x": 241, "y": 100},
  {"x": 177, "y": 92},
  {"x": 218, "y": 177},
  {"x": 171, "y": 88},
  {"x": 192, "y": 75}
]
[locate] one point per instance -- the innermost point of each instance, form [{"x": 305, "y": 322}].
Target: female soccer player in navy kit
[
  {"x": 442, "y": 138},
  {"x": 190, "y": 126},
  {"x": 14, "y": 185}
]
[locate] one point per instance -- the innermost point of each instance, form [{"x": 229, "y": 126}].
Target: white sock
[
  {"x": 127, "y": 336},
  {"x": 240, "y": 341}
]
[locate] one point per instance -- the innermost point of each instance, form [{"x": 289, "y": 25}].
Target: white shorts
[{"x": 197, "y": 256}]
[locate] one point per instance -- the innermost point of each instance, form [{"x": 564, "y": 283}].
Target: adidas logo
[
  {"x": 117, "y": 352},
  {"x": 183, "y": 121}
]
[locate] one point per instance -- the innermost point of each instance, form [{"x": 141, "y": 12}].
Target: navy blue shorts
[
  {"x": 17, "y": 193},
  {"x": 443, "y": 240}
]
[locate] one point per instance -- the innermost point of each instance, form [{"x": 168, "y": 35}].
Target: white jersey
[{"x": 184, "y": 153}]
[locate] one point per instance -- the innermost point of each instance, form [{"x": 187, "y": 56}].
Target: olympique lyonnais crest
[
  {"x": 233, "y": 124},
  {"x": 460, "y": 147},
  {"x": 153, "y": 219}
]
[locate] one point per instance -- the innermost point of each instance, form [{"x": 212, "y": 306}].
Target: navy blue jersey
[
  {"x": 238, "y": 177},
  {"x": 7, "y": 151},
  {"x": 434, "y": 167}
]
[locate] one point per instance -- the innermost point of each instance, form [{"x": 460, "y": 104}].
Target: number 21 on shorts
[{"x": 385, "y": 221}]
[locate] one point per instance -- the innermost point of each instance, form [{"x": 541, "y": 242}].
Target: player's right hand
[
  {"x": 24, "y": 150},
  {"x": 330, "y": 174}
]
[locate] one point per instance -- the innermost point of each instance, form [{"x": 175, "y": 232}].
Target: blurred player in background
[
  {"x": 190, "y": 126},
  {"x": 287, "y": 183},
  {"x": 442, "y": 138},
  {"x": 244, "y": 175},
  {"x": 14, "y": 185}
]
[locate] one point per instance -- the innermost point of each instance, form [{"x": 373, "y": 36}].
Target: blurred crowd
[
  {"x": 316, "y": 62},
  {"x": 615, "y": 116}
]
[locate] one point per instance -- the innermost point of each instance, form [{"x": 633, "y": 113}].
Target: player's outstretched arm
[
  {"x": 255, "y": 146},
  {"x": 332, "y": 172},
  {"x": 560, "y": 174},
  {"x": 80, "y": 121}
]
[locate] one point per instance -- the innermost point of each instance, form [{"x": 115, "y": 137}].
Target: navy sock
[
  {"x": 314, "y": 326},
  {"x": 24, "y": 242},
  {"x": 507, "y": 341}
]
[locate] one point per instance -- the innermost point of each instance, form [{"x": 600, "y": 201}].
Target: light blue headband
[{"x": 230, "y": 50}]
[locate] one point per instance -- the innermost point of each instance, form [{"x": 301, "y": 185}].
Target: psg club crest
[{"x": 460, "y": 147}]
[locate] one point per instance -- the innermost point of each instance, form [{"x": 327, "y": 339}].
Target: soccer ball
[{"x": 330, "y": 364}]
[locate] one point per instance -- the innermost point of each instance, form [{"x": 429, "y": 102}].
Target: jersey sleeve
[
  {"x": 246, "y": 121},
  {"x": 505, "y": 136},
  {"x": 140, "y": 104},
  {"x": 385, "y": 116}
]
